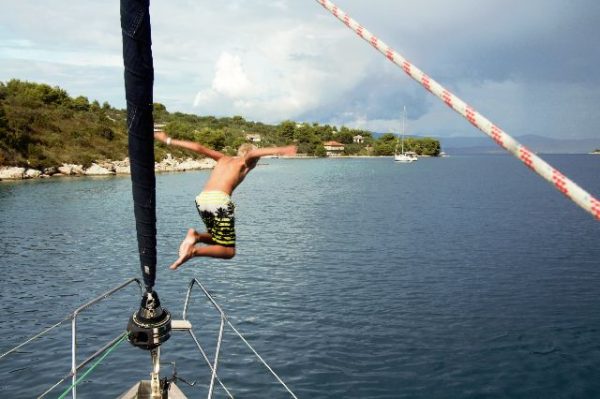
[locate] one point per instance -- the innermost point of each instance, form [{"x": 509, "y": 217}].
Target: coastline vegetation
[{"x": 42, "y": 126}]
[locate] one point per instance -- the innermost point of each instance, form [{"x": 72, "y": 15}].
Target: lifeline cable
[
  {"x": 93, "y": 366},
  {"x": 531, "y": 160}
]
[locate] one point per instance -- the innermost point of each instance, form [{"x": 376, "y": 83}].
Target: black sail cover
[{"x": 139, "y": 81}]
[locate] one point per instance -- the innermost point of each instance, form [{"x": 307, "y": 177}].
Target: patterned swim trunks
[{"x": 217, "y": 212}]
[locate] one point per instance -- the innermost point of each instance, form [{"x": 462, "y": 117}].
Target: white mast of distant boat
[{"x": 404, "y": 157}]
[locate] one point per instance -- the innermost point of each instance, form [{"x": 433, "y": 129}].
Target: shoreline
[
  {"x": 122, "y": 168},
  {"x": 102, "y": 168},
  {"x": 168, "y": 164}
]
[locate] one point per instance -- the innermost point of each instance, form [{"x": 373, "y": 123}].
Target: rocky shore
[{"x": 103, "y": 168}]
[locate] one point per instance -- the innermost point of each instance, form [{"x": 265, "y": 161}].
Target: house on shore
[
  {"x": 358, "y": 139},
  {"x": 333, "y": 148}
]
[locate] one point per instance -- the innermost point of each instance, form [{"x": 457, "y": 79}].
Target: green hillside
[{"x": 42, "y": 126}]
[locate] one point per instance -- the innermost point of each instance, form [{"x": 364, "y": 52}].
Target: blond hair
[{"x": 245, "y": 148}]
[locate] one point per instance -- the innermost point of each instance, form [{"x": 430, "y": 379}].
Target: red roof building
[{"x": 333, "y": 148}]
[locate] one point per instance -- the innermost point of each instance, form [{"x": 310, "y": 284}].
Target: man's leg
[
  {"x": 191, "y": 238},
  {"x": 204, "y": 238},
  {"x": 188, "y": 248},
  {"x": 215, "y": 251}
]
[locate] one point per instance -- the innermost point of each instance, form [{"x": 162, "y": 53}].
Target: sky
[{"x": 531, "y": 67}]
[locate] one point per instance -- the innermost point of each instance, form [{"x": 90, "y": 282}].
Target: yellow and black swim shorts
[{"x": 217, "y": 212}]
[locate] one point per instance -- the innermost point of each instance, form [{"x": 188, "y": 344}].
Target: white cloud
[
  {"x": 230, "y": 78},
  {"x": 286, "y": 75},
  {"x": 230, "y": 81}
]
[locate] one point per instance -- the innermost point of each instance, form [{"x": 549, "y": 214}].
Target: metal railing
[
  {"x": 213, "y": 365},
  {"x": 223, "y": 320},
  {"x": 73, "y": 318}
]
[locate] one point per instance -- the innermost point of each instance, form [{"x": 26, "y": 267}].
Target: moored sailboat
[{"x": 404, "y": 157}]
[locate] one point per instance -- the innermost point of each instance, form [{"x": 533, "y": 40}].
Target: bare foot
[{"x": 186, "y": 249}]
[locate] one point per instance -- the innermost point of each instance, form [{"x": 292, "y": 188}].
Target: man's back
[{"x": 227, "y": 174}]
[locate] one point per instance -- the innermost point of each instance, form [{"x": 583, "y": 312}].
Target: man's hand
[
  {"x": 161, "y": 136},
  {"x": 289, "y": 150}
]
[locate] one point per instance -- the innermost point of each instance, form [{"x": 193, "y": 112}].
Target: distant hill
[
  {"x": 540, "y": 144},
  {"x": 43, "y": 126},
  {"x": 484, "y": 145}
]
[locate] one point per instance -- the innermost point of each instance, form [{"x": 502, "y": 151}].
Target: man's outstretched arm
[
  {"x": 261, "y": 152},
  {"x": 189, "y": 145}
]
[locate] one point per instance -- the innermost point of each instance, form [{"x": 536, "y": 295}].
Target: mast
[
  {"x": 403, "y": 127},
  {"x": 139, "y": 83},
  {"x": 150, "y": 326}
]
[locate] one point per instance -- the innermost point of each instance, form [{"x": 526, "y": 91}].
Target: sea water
[{"x": 459, "y": 277}]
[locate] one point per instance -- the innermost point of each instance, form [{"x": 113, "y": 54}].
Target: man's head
[{"x": 244, "y": 149}]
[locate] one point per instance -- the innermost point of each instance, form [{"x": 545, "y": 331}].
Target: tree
[
  {"x": 18, "y": 132},
  {"x": 159, "y": 112},
  {"x": 3, "y": 134},
  {"x": 385, "y": 145},
  {"x": 423, "y": 146},
  {"x": 306, "y": 148},
  {"x": 320, "y": 151},
  {"x": 388, "y": 138},
  {"x": 344, "y": 136},
  {"x": 3, "y": 120},
  {"x": 180, "y": 129},
  {"x": 95, "y": 105},
  {"x": 352, "y": 149},
  {"x": 105, "y": 132},
  {"x": 432, "y": 146},
  {"x": 305, "y": 134},
  {"x": 382, "y": 148},
  {"x": 324, "y": 132},
  {"x": 214, "y": 138},
  {"x": 217, "y": 139},
  {"x": 238, "y": 120},
  {"x": 286, "y": 130},
  {"x": 53, "y": 95},
  {"x": 81, "y": 103}
]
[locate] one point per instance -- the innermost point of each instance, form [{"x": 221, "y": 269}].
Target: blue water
[{"x": 461, "y": 277}]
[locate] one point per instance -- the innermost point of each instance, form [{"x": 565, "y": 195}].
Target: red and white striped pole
[{"x": 531, "y": 160}]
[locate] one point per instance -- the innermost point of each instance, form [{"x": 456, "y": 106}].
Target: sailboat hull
[{"x": 404, "y": 158}]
